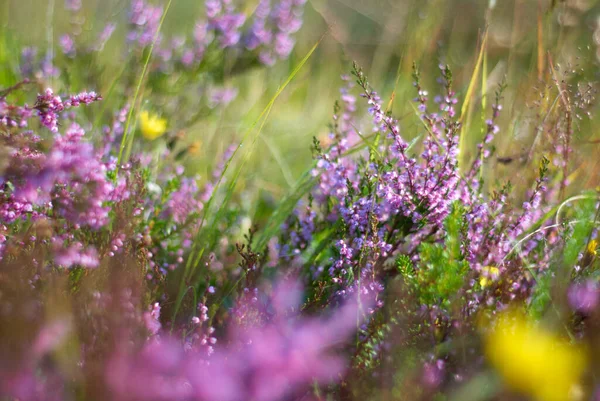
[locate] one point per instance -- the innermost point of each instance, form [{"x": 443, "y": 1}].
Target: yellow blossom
[
  {"x": 488, "y": 274},
  {"x": 195, "y": 147},
  {"x": 592, "y": 247},
  {"x": 152, "y": 126},
  {"x": 533, "y": 361}
]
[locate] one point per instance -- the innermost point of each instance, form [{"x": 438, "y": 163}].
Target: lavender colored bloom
[
  {"x": 104, "y": 36},
  {"x": 184, "y": 202},
  {"x": 272, "y": 29},
  {"x": 144, "y": 20},
  {"x": 584, "y": 297},
  {"x": 151, "y": 319},
  {"x": 393, "y": 202},
  {"x": 262, "y": 362},
  {"x": 222, "y": 96},
  {"x": 28, "y": 56},
  {"x": 223, "y": 19},
  {"x": 284, "y": 45},
  {"x": 73, "y": 5},
  {"x": 75, "y": 254},
  {"x": 49, "y": 106},
  {"x": 71, "y": 176},
  {"x": 47, "y": 67},
  {"x": 12, "y": 116},
  {"x": 34, "y": 64},
  {"x": 67, "y": 45},
  {"x": 13, "y": 209}
]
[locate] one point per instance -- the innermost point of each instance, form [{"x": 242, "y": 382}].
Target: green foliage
[
  {"x": 442, "y": 267},
  {"x": 442, "y": 270},
  {"x": 577, "y": 241},
  {"x": 575, "y": 257},
  {"x": 541, "y": 298}
]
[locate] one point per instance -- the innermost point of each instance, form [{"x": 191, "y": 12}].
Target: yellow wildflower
[
  {"x": 592, "y": 247},
  {"x": 533, "y": 361},
  {"x": 152, "y": 126},
  {"x": 195, "y": 147},
  {"x": 488, "y": 274}
]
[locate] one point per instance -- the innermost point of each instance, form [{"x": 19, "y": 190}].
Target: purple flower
[
  {"x": 225, "y": 21},
  {"x": 67, "y": 45},
  {"x": 263, "y": 362},
  {"x": 104, "y": 36},
  {"x": 222, "y": 96},
  {"x": 75, "y": 254},
  {"x": 272, "y": 27},
  {"x": 49, "y": 106},
  {"x": 151, "y": 319},
  {"x": 584, "y": 297},
  {"x": 73, "y": 5},
  {"x": 144, "y": 20},
  {"x": 183, "y": 203}
]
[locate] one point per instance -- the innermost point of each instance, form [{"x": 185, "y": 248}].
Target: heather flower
[
  {"x": 67, "y": 45},
  {"x": 223, "y": 19},
  {"x": 144, "y": 20},
  {"x": 534, "y": 361},
  {"x": 49, "y": 106},
  {"x": 184, "y": 202},
  {"x": 73, "y": 5},
  {"x": 272, "y": 29},
  {"x": 415, "y": 194},
  {"x": 104, "y": 36},
  {"x": 71, "y": 176},
  {"x": 151, "y": 319},
  {"x": 27, "y": 62},
  {"x": 152, "y": 126},
  {"x": 584, "y": 297},
  {"x": 222, "y": 96},
  {"x": 265, "y": 361},
  {"x": 13, "y": 209},
  {"x": 75, "y": 254}
]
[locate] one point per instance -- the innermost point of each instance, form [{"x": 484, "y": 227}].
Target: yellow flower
[
  {"x": 533, "y": 361},
  {"x": 592, "y": 247},
  {"x": 195, "y": 147},
  {"x": 488, "y": 274},
  {"x": 152, "y": 126}
]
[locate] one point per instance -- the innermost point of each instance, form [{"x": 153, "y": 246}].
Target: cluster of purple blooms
[
  {"x": 265, "y": 36},
  {"x": 268, "y": 32},
  {"x": 272, "y": 29},
  {"x": 49, "y": 106},
  {"x": 274, "y": 356},
  {"x": 67, "y": 181},
  {"x": 69, "y": 191},
  {"x": 388, "y": 201}
]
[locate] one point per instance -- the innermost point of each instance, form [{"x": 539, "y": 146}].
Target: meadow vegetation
[{"x": 266, "y": 200}]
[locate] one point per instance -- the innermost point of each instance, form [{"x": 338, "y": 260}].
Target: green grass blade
[
  {"x": 467, "y": 102},
  {"x": 279, "y": 159},
  {"x": 193, "y": 259},
  {"x": 137, "y": 91},
  {"x": 108, "y": 95},
  {"x": 285, "y": 208},
  {"x": 251, "y": 129}
]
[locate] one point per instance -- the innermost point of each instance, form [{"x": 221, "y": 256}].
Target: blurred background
[{"x": 531, "y": 45}]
